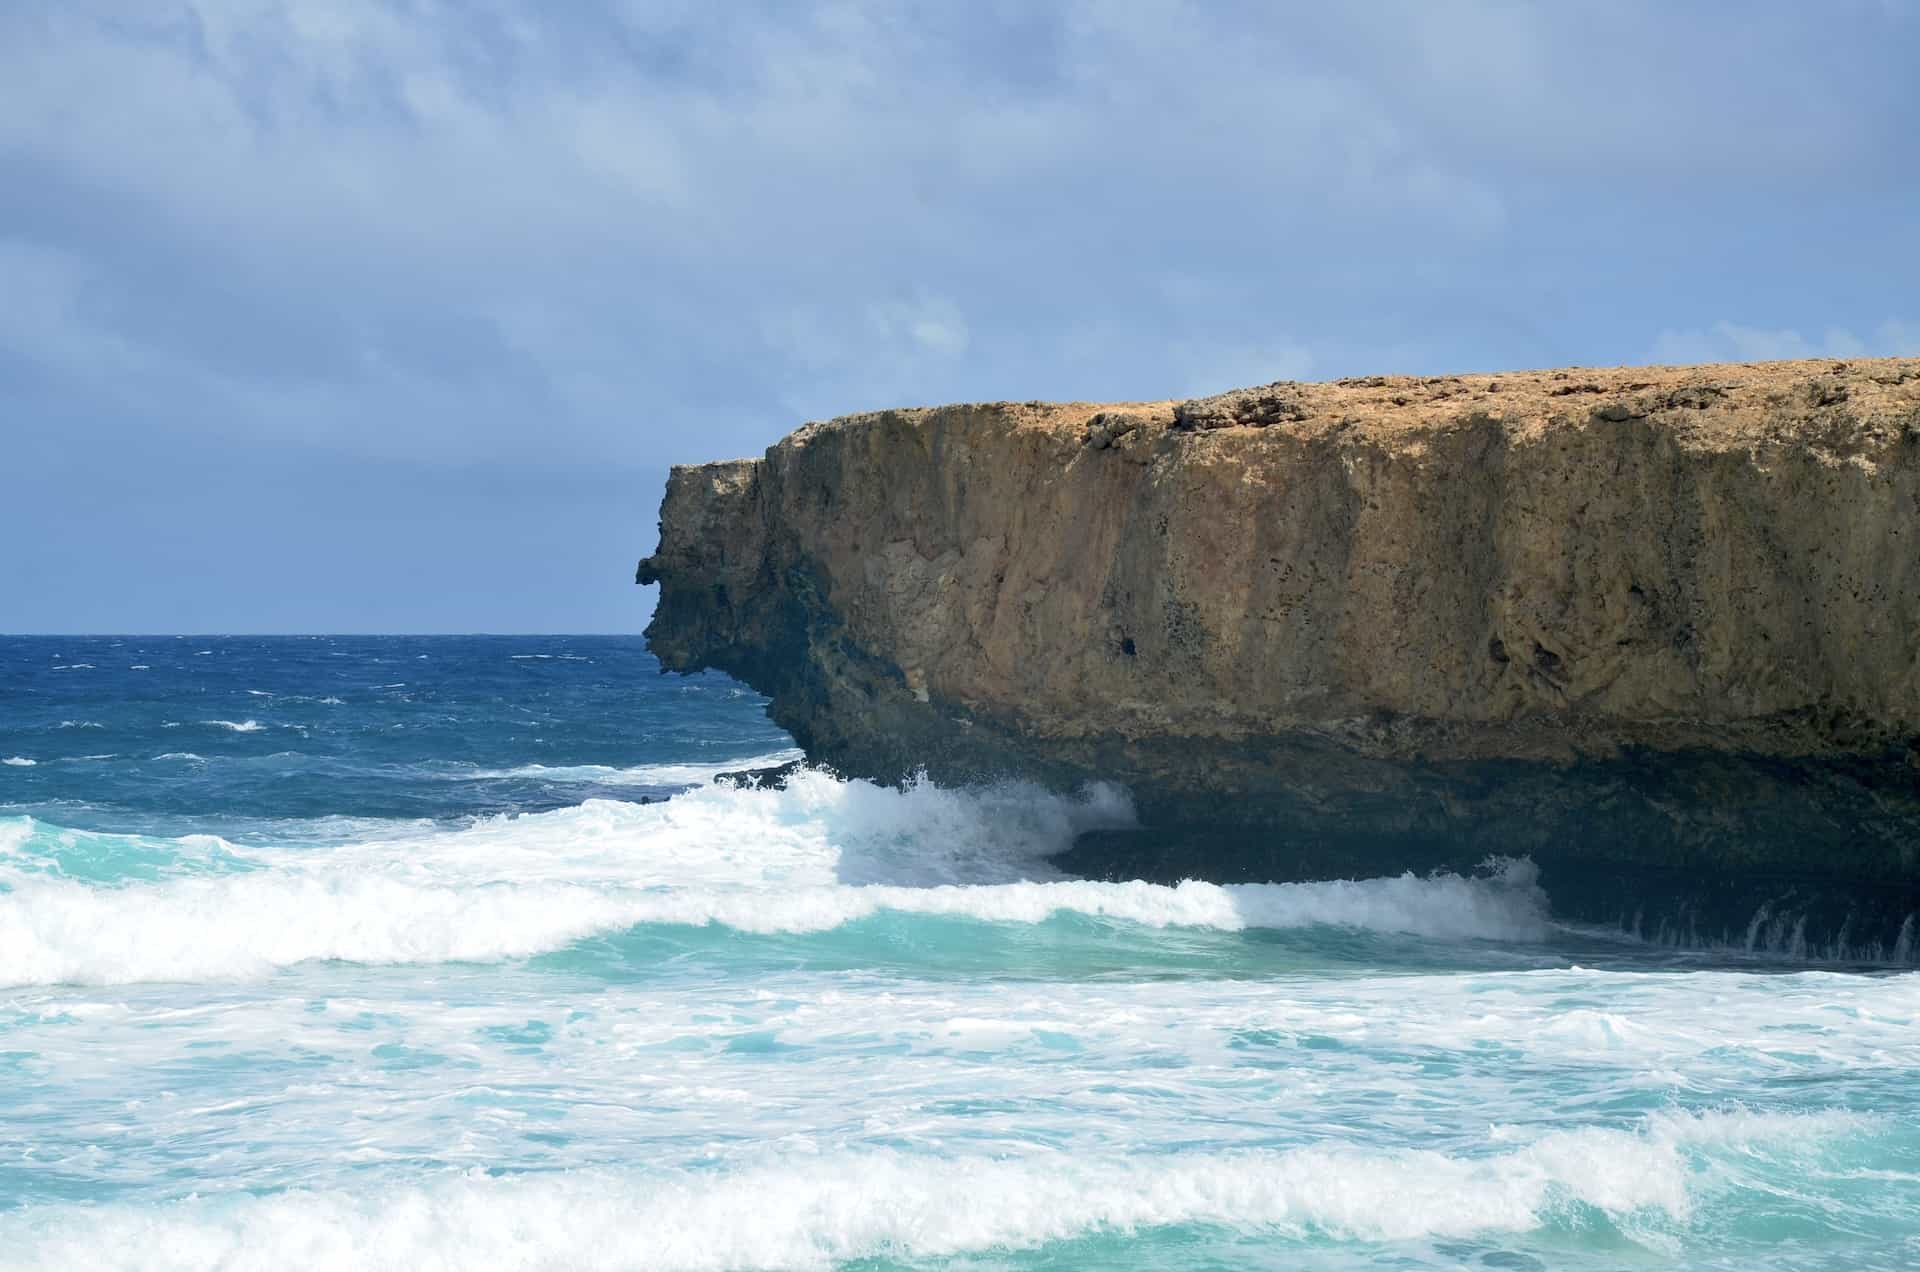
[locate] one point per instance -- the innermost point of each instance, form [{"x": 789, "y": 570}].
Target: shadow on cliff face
[
  {"x": 1596, "y": 868},
  {"x": 1809, "y": 860}
]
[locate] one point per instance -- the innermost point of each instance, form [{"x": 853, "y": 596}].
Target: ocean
[{"x": 447, "y": 952}]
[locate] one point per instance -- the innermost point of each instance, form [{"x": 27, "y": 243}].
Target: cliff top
[{"x": 1718, "y": 404}]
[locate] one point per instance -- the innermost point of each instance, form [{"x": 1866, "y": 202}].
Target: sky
[{"x": 335, "y": 315}]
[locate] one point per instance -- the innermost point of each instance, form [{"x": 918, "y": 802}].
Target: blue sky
[{"x": 325, "y": 315}]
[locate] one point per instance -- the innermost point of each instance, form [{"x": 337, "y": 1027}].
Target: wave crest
[
  {"x": 821, "y": 1210},
  {"x": 818, "y": 855},
  {"x": 246, "y": 925}
]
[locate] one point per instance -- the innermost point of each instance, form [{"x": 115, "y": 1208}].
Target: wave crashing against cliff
[
  {"x": 1657, "y": 627},
  {"x": 824, "y": 854}
]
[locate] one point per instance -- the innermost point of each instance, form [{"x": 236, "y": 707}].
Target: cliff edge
[{"x": 1640, "y": 623}]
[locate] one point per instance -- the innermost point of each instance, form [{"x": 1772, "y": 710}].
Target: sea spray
[{"x": 804, "y": 859}]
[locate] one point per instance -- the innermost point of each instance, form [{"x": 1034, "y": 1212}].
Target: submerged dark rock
[
  {"x": 1659, "y": 626},
  {"x": 773, "y": 777}
]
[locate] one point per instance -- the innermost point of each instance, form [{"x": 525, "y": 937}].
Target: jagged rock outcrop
[{"x": 1635, "y": 620}]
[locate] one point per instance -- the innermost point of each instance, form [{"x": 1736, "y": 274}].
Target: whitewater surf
[{"x": 416, "y": 952}]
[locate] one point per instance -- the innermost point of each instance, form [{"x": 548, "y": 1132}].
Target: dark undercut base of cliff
[
  {"x": 1656, "y": 629},
  {"x": 1700, "y": 848}
]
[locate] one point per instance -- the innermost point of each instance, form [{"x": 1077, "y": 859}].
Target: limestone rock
[{"x": 1646, "y": 612}]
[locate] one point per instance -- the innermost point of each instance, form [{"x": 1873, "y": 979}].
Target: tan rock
[{"x": 1304, "y": 596}]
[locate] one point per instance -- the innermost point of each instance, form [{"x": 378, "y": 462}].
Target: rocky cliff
[{"x": 1642, "y": 623}]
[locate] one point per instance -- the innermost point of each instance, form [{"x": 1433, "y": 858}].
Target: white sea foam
[
  {"x": 820, "y": 854},
  {"x": 18, "y": 761},
  {"x": 57, "y": 932},
  {"x": 237, "y": 726},
  {"x": 818, "y": 1210},
  {"x": 246, "y": 925},
  {"x": 516, "y": 885}
]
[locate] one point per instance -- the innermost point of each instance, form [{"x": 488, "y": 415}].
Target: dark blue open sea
[{"x": 395, "y": 952}]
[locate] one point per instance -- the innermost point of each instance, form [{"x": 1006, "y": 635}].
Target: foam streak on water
[
  {"x": 407, "y": 974},
  {"x": 818, "y": 1210}
]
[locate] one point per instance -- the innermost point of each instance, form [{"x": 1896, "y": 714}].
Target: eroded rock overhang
[{"x": 1638, "y": 623}]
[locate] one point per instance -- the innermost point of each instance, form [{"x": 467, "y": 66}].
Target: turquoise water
[{"x": 367, "y": 953}]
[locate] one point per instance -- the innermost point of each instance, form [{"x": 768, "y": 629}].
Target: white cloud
[
  {"x": 860, "y": 357},
  {"x": 930, "y": 323}
]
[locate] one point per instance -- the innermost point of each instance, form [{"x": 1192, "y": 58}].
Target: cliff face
[{"x": 1664, "y": 616}]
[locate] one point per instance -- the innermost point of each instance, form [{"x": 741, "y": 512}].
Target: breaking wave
[
  {"x": 818, "y": 1211},
  {"x": 246, "y": 925},
  {"x": 818, "y": 855}
]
